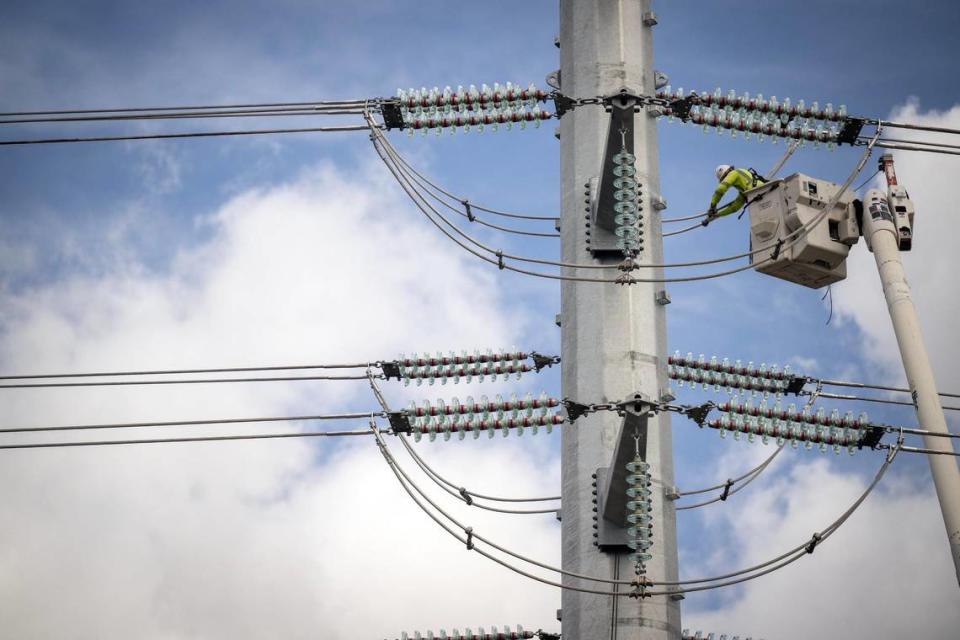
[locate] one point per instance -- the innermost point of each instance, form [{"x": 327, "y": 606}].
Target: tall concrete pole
[
  {"x": 881, "y": 234},
  {"x": 613, "y": 336}
]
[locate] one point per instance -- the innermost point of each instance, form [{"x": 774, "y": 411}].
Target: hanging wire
[
  {"x": 769, "y": 566},
  {"x": 729, "y": 487},
  {"x": 384, "y": 149},
  {"x": 462, "y": 494},
  {"x": 424, "y": 180}
]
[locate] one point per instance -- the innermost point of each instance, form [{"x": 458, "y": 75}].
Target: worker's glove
[{"x": 711, "y": 214}]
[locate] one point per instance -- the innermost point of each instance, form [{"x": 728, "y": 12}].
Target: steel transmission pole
[{"x": 613, "y": 336}]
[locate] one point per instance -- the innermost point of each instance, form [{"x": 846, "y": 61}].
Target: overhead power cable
[
  {"x": 182, "y": 423},
  {"x": 162, "y": 372},
  {"x": 868, "y": 385},
  {"x": 259, "y": 436},
  {"x": 729, "y": 487},
  {"x": 841, "y": 396},
  {"x": 195, "y": 134},
  {"x": 384, "y": 149},
  {"x": 256, "y": 105},
  {"x": 186, "y": 115},
  {"x": 462, "y": 494},
  {"x": 120, "y": 383},
  {"x": 758, "y": 570}
]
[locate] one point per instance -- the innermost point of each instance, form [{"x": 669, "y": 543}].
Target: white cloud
[
  {"x": 886, "y": 573},
  {"x": 259, "y": 539}
]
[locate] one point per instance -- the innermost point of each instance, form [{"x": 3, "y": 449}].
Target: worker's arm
[
  {"x": 733, "y": 207},
  {"x": 728, "y": 181}
]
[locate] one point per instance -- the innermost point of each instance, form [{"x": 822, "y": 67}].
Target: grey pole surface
[
  {"x": 613, "y": 336},
  {"x": 882, "y": 236}
]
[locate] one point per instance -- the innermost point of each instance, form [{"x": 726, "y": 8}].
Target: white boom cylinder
[{"x": 881, "y": 233}]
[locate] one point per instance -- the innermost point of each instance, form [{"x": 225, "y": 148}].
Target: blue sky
[{"x": 79, "y": 219}]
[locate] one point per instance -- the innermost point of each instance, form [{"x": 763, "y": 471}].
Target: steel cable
[
  {"x": 794, "y": 236},
  {"x": 799, "y": 551},
  {"x": 259, "y": 436}
]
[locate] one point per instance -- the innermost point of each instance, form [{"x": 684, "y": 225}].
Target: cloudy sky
[{"x": 299, "y": 249}]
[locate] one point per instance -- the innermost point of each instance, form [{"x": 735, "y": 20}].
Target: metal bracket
[
  {"x": 850, "y": 130},
  {"x": 541, "y": 361},
  {"x": 662, "y": 298},
  {"x": 399, "y": 422},
  {"x": 699, "y": 414},
  {"x": 871, "y": 437},
  {"x": 575, "y": 409},
  {"x": 681, "y": 107},
  {"x": 562, "y": 104},
  {"x": 392, "y": 117},
  {"x": 609, "y": 536},
  {"x": 390, "y": 370},
  {"x": 795, "y": 385}
]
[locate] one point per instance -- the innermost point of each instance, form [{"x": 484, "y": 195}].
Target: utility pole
[
  {"x": 884, "y": 237},
  {"x": 613, "y": 336}
]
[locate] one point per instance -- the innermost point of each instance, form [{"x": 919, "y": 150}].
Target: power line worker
[{"x": 740, "y": 179}]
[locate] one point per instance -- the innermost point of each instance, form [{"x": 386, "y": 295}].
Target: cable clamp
[
  {"x": 469, "y": 210},
  {"x": 814, "y": 541},
  {"x": 776, "y": 250},
  {"x": 628, "y": 265},
  {"x": 726, "y": 489},
  {"x": 626, "y": 279},
  {"x": 466, "y": 496},
  {"x": 500, "y": 259},
  {"x": 469, "y": 532},
  {"x": 640, "y": 585}
]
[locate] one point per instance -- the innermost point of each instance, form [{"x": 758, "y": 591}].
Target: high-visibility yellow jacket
[{"x": 741, "y": 180}]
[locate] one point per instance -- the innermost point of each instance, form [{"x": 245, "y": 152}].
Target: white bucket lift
[{"x": 780, "y": 207}]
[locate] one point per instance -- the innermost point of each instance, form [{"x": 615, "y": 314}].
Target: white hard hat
[{"x": 722, "y": 170}]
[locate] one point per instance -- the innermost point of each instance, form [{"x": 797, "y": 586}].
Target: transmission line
[
  {"x": 182, "y": 423},
  {"x": 196, "y": 134},
  {"x": 729, "y": 487},
  {"x": 259, "y": 436}
]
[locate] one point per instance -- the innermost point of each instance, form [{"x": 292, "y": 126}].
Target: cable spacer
[
  {"x": 469, "y": 532},
  {"x": 726, "y": 489},
  {"x": 640, "y": 585},
  {"x": 466, "y": 496},
  {"x": 469, "y": 210},
  {"x": 776, "y": 250},
  {"x": 814, "y": 541},
  {"x": 500, "y": 259}
]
